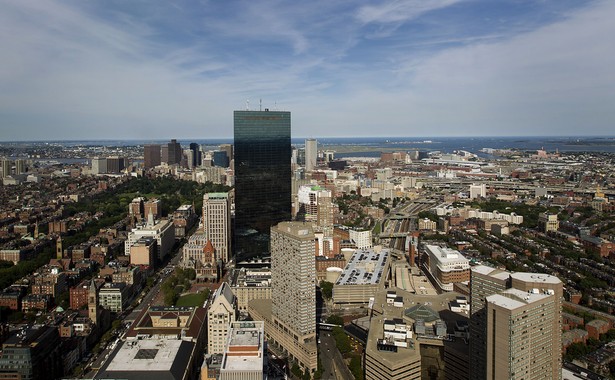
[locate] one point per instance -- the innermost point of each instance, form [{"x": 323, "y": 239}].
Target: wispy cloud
[
  {"x": 92, "y": 70},
  {"x": 399, "y": 10}
]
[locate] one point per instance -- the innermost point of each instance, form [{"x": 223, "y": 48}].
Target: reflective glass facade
[{"x": 262, "y": 177}]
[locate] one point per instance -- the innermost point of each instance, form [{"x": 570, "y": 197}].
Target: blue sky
[{"x": 139, "y": 69}]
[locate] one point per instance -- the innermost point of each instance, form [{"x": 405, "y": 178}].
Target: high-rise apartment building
[
  {"x": 217, "y": 223},
  {"x": 311, "y": 154},
  {"x": 262, "y": 177},
  {"x": 6, "y": 167},
  {"x": 20, "y": 166},
  {"x": 151, "y": 155},
  {"x": 515, "y": 325},
  {"x": 293, "y": 295},
  {"x": 293, "y": 277}
]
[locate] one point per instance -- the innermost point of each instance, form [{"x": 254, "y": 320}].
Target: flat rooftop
[
  {"x": 145, "y": 355},
  {"x": 536, "y": 277},
  {"x": 245, "y": 347},
  {"x": 365, "y": 267},
  {"x": 490, "y": 271},
  {"x": 513, "y": 298}
]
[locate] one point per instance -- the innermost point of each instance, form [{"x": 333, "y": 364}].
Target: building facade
[
  {"x": 262, "y": 177},
  {"x": 217, "y": 223},
  {"x": 518, "y": 297},
  {"x": 311, "y": 154},
  {"x": 151, "y": 155},
  {"x": 220, "y": 315}
]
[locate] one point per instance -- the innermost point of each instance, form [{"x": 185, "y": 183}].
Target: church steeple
[
  {"x": 93, "y": 302},
  {"x": 59, "y": 249}
]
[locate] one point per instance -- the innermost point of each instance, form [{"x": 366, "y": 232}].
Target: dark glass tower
[{"x": 262, "y": 177}]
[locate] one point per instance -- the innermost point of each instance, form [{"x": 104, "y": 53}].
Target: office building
[
  {"x": 311, "y": 154},
  {"x": 162, "y": 231},
  {"x": 519, "y": 295},
  {"x": 290, "y": 315},
  {"x": 173, "y": 153},
  {"x": 197, "y": 156},
  {"x": 31, "y": 353},
  {"x": 478, "y": 191},
  {"x": 99, "y": 165},
  {"x": 362, "y": 239},
  {"x": 220, "y": 159},
  {"x": 220, "y": 314},
  {"x": 114, "y": 296},
  {"x": 547, "y": 222},
  {"x": 309, "y": 199},
  {"x": 447, "y": 266},
  {"x": 410, "y": 337},
  {"x": 116, "y": 164},
  {"x": 262, "y": 177},
  {"x": 250, "y": 284},
  {"x": 143, "y": 252},
  {"x": 151, "y": 155},
  {"x": 228, "y": 148},
  {"x": 152, "y": 207},
  {"x": 136, "y": 209},
  {"x": 244, "y": 354},
  {"x": 217, "y": 223}
]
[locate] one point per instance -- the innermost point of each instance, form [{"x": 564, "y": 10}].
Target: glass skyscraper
[{"x": 262, "y": 177}]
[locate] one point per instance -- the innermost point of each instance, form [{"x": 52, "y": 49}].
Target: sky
[{"x": 142, "y": 69}]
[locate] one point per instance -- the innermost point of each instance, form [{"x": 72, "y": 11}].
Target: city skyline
[{"x": 442, "y": 68}]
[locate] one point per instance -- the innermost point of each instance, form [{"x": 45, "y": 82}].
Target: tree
[
  {"x": 326, "y": 288},
  {"x": 356, "y": 368},
  {"x": 335, "y": 320},
  {"x": 341, "y": 340}
]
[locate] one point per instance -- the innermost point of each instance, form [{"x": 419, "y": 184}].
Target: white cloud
[
  {"x": 69, "y": 73},
  {"x": 399, "y": 10}
]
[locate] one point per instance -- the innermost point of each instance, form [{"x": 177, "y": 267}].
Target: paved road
[{"x": 333, "y": 364}]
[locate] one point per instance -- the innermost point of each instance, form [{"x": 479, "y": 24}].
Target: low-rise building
[
  {"x": 249, "y": 284},
  {"x": 244, "y": 352},
  {"x": 114, "y": 296},
  {"x": 447, "y": 266},
  {"x": 365, "y": 274},
  {"x": 161, "y": 230}
]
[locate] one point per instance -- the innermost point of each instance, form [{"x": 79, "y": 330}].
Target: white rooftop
[
  {"x": 490, "y": 271},
  {"x": 536, "y": 277},
  {"x": 146, "y": 355},
  {"x": 246, "y": 341},
  {"x": 446, "y": 255},
  {"x": 514, "y": 298}
]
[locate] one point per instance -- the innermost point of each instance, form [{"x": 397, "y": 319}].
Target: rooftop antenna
[
  {"x": 260, "y": 104},
  {"x": 247, "y": 104},
  {"x": 275, "y": 105}
]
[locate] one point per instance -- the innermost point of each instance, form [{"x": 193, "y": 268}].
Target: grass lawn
[{"x": 193, "y": 299}]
